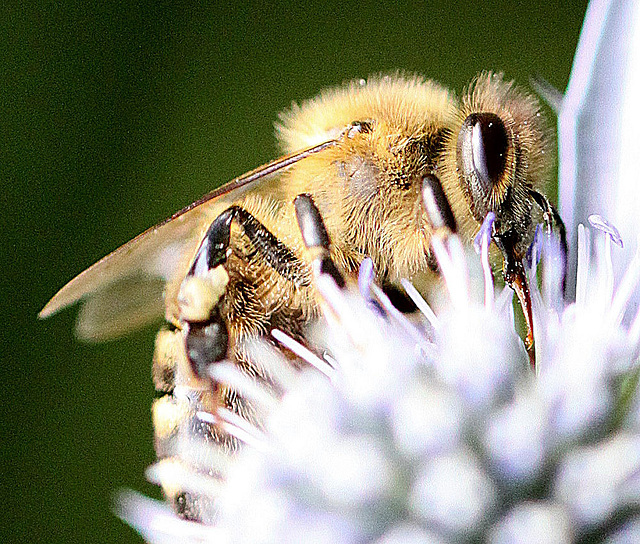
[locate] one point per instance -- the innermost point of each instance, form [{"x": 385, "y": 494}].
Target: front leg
[{"x": 316, "y": 238}]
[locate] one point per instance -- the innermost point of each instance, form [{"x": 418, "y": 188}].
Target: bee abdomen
[{"x": 193, "y": 451}]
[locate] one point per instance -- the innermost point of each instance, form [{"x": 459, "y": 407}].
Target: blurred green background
[{"x": 115, "y": 115}]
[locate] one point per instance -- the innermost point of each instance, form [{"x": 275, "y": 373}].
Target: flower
[{"x": 436, "y": 430}]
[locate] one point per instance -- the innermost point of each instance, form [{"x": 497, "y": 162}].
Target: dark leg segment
[
  {"x": 436, "y": 205},
  {"x": 207, "y": 343},
  {"x": 400, "y": 300},
  {"x": 214, "y": 248},
  {"x": 316, "y": 237}
]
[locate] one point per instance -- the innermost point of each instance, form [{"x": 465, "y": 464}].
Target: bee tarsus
[{"x": 552, "y": 219}]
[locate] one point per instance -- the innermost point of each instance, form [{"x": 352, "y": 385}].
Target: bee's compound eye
[{"x": 482, "y": 151}]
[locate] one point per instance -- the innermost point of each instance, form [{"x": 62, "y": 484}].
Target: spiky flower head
[{"x": 436, "y": 430}]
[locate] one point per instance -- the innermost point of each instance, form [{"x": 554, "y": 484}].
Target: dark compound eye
[{"x": 482, "y": 154}]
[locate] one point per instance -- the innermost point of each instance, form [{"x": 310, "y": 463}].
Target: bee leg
[
  {"x": 316, "y": 238},
  {"x": 200, "y": 295},
  {"x": 207, "y": 337},
  {"x": 215, "y": 247},
  {"x": 551, "y": 217},
  {"x": 439, "y": 214},
  {"x": 400, "y": 300},
  {"x": 207, "y": 343},
  {"x": 437, "y": 207}
]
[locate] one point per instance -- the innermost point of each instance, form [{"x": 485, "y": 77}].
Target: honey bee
[{"x": 370, "y": 168}]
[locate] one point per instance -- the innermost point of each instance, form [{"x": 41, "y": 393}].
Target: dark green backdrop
[{"x": 116, "y": 115}]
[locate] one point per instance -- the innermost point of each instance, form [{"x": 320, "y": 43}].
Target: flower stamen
[{"x": 481, "y": 244}]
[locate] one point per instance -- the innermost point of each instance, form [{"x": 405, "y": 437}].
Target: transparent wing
[
  {"x": 124, "y": 290},
  {"x": 124, "y": 305}
]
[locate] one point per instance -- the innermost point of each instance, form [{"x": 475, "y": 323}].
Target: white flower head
[{"x": 439, "y": 427}]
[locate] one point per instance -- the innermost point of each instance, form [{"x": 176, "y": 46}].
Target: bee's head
[
  {"x": 502, "y": 157},
  {"x": 502, "y": 150}
]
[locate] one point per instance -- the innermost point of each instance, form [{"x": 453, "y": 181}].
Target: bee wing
[
  {"x": 124, "y": 290},
  {"x": 126, "y": 304}
]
